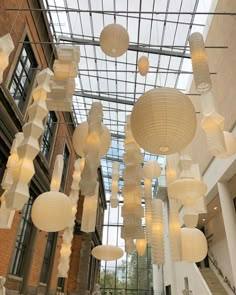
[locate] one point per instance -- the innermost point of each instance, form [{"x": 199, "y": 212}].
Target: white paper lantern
[
  {"x": 114, "y": 40},
  {"x": 129, "y": 245},
  {"x": 152, "y": 170},
  {"x": 6, "y": 47},
  {"x": 51, "y": 211},
  {"x": 80, "y": 135},
  {"x": 143, "y": 65},
  {"x": 194, "y": 245},
  {"x": 158, "y": 255},
  {"x": 107, "y": 252},
  {"x": 190, "y": 220},
  {"x": 187, "y": 189},
  {"x": 230, "y": 142},
  {"x": 199, "y": 62},
  {"x": 141, "y": 246},
  {"x": 163, "y": 121}
]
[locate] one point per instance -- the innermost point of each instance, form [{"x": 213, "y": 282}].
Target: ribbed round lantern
[
  {"x": 51, "y": 211},
  {"x": 80, "y": 135},
  {"x": 187, "y": 189},
  {"x": 194, "y": 245},
  {"x": 163, "y": 121},
  {"x": 114, "y": 40},
  {"x": 141, "y": 245},
  {"x": 199, "y": 62},
  {"x": 151, "y": 169},
  {"x": 143, "y": 65},
  {"x": 230, "y": 142},
  {"x": 107, "y": 252}
]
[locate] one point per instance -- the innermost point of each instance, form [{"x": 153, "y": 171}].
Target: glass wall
[{"x": 131, "y": 273}]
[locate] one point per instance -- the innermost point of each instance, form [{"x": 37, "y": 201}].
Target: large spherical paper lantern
[
  {"x": 152, "y": 170},
  {"x": 51, "y": 211},
  {"x": 194, "y": 245},
  {"x": 107, "y": 252},
  {"x": 114, "y": 40},
  {"x": 143, "y": 65},
  {"x": 80, "y": 135},
  {"x": 163, "y": 121}
]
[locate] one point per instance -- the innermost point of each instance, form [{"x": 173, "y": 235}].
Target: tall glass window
[
  {"x": 48, "y": 135},
  {"x": 22, "y": 240},
  {"x": 23, "y": 75},
  {"x": 66, "y": 156},
  {"x": 131, "y": 272}
]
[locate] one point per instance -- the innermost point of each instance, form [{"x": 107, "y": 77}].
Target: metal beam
[
  {"x": 104, "y": 98},
  {"x": 136, "y": 48}
]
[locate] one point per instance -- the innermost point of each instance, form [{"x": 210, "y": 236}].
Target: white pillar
[
  {"x": 158, "y": 283},
  {"x": 229, "y": 218}
]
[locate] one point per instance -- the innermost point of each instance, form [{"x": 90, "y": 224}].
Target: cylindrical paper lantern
[
  {"x": 51, "y": 211},
  {"x": 158, "y": 255},
  {"x": 107, "y": 252},
  {"x": 163, "y": 121},
  {"x": 194, "y": 245},
  {"x": 80, "y": 135},
  {"x": 141, "y": 245},
  {"x": 114, "y": 40},
  {"x": 199, "y": 62},
  {"x": 143, "y": 65},
  {"x": 152, "y": 170}
]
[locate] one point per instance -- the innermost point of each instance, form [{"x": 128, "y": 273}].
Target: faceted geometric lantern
[
  {"x": 194, "y": 245},
  {"x": 199, "y": 63},
  {"x": 152, "y": 169},
  {"x": 114, "y": 40},
  {"x": 163, "y": 121},
  {"x": 80, "y": 135},
  {"x": 107, "y": 252},
  {"x": 143, "y": 65},
  {"x": 51, "y": 211},
  {"x": 141, "y": 246}
]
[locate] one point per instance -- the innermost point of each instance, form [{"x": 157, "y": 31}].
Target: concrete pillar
[{"x": 229, "y": 218}]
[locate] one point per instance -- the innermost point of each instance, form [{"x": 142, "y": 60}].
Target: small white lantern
[
  {"x": 152, "y": 170},
  {"x": 143, "y": 65},
  {"x": 141, "y": 245}
]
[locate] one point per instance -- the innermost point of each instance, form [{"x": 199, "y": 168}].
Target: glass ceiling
[{"x": 158, "y": 29}]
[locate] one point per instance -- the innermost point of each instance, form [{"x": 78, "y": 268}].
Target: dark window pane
[{"x": 23, "y": 75}]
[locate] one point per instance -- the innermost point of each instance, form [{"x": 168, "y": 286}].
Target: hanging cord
[{"x": 18, "y": 12}]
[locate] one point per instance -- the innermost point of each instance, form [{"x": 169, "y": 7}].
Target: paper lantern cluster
[
  {"x": 18, "y": 193},
  {"x": 63, "y": 83},
  {"x": 163, "y": 121},
  {"x": 114, "y": 40},
  {"x": 114, "y": 201},
  {"x": 52, "y": 211},
  {"x": 64, "y": 262},
  {"x": 186, "y": 189},
  {"x": 6, "y": 47},
  {"x": 7, "y": 215},
  {"x": 132, "y": 210},
  {"x": 220, "y": 144}
]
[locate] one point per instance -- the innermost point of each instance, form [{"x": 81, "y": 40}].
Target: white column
[
  {"x": 229, "y": 218},
  {"x": 158, "y": 279}
]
